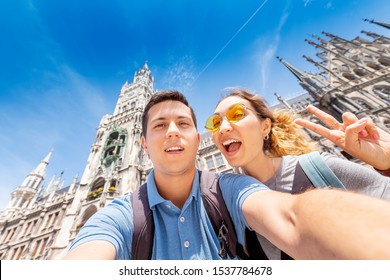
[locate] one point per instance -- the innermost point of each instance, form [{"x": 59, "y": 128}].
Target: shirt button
[
  {"x": 182, "y": 219},
  {"x": 186, "y": 244},
  {"x": 168, "y": 206}
]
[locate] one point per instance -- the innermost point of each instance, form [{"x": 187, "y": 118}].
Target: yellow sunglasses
[{"x": 234, "y": 114}]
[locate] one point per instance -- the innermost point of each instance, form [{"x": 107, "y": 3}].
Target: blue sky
[{"x": 63, "y": 63}]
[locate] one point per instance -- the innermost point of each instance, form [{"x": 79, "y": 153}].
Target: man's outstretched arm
[
  {"x": 93, "y": 250},
  {"x": 322, "y": 224}
]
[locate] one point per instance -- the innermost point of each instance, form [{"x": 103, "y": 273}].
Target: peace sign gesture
[{"x": 360, "y": 138}]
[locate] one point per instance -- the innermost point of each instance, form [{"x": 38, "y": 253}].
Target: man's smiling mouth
[{"x": 174, "y": 149}]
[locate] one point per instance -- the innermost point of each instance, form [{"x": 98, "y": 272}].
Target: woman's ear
[{"x": 266, "y": 126}]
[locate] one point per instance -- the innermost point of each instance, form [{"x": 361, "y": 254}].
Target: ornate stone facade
[{"x": 354, "y": 76}]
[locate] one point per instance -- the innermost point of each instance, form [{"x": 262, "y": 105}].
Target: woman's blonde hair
[{"x": 285, "y": 137}]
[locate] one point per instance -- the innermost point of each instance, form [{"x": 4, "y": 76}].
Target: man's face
[{"x": 171, "y": 138}]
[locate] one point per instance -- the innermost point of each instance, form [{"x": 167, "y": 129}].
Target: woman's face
[{"x": 240, "y": 142}]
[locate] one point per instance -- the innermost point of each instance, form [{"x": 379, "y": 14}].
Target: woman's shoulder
[
  {"x": 324, "y": 155},
  {"x": 289, "y": 160},
  {"x": 327, "y": 155},
  {"x": 287, "y": 167}
]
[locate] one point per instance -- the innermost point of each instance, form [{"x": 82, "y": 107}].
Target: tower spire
[
  {"x": 354, "y": 44},
  {"x": 73, "y": 184},
  {"x": 41, "y": 168},
  {"x": 296, "y": 72},
  {"x": 336, "y": 54},
  {"x": 319, "y": 65},
  {"x": 283, "y": 101},
  {"x": 312, "y": 83},
  {"x": 383, "y": 24},
  {"x": 25, "y": 194}
]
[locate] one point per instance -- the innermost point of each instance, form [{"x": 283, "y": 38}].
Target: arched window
[
  {"x": 362, "y": 103},
  {"x": 383, "y": 91},
  {"x": 349, "y": 76},
  {"x": 387, "y": 123},
  {"x": 373, "y": 65},
  {"x": 114, "y": 146},
  {"x": 384, "y": 61},
  {"x": 360, "y": 72},
  {"x": 112, "y": 138},
  {"x": 96, "y": 189},
  {"x": 92, "y": 209},
  {"x": 100, "y": 171},
  {"x": 113, "y": 187}
]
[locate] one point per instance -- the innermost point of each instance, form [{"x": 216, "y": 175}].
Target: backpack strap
[
  {"x": 254, "y": 251},
  {"x": 218, "y": 214},
  {"x": 312, "y": 171},
  {"x": 318, "y": 171},
  {"x": 301, "y": 182},
  {"x": 143, "y": 236},
  {"x": 223, "y": 225}
]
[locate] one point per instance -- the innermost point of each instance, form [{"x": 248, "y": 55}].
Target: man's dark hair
[{"x": 161, "y": 96}]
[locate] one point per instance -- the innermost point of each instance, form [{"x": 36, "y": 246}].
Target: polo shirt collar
[{"x": 155, "y": 198}]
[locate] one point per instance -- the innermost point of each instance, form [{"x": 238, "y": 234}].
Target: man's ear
[{"x": 143, "y": 141}]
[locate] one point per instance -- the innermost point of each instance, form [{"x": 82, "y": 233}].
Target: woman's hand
[{"x": 360, "y": 138}]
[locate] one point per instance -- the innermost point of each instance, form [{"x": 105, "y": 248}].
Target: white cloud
[
  {"x": 265, "y": 62},
  {"x": 85, "y": 95},
  {"x": 266, "y": 54},
  {"x": 179, "y": 75}
]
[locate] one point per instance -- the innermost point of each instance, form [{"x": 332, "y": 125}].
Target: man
[{"x": 316, "y": 224}]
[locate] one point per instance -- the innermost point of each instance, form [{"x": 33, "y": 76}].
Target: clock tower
[{"x": 117, "y": 163}]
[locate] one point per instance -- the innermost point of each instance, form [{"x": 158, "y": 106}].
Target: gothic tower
[
  {"x": 117, "y": 164},
  {"x": 24, "y": 196}
]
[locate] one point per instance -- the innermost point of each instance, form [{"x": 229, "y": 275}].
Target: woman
[{"x": 267, "y": 146}]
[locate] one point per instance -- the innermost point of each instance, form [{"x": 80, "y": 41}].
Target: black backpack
[{"x": 310, "y": 171}]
